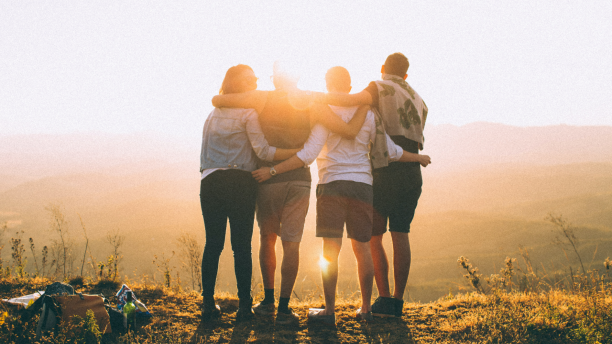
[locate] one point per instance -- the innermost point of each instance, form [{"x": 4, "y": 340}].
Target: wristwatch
[{"x": 272, "y": 171}]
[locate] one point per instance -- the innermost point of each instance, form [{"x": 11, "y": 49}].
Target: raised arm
[
  {"x": 247, "y": 100},
  {"x": 324, "y": 115}
]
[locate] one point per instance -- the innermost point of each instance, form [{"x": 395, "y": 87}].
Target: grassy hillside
[
  {"x": 579, "y": 316},
  {"x": 485, "y": 214},
  {"x": 486, "y": 194}
]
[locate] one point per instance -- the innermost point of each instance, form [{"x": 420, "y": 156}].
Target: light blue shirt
[{"x": 232, "y": 138}]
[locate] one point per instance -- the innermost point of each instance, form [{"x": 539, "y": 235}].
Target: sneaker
[
  {"x": 384, "y": 307},
  {"x": 287, "y": 317},
  {"x": 244, "y": 313},
  {"x": 316, "y": 315},
  {"x": 399, "y": 308},
  {"x": 364, "y": 316},
  {"x": 264, "y": 310},
  {"x": 210, "y": 310}
]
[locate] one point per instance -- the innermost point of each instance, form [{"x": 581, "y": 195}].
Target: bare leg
[
  {"x": 401, "y": 262},
  {"x": 290, "y": 266},
  {"x": 365, "y": 269},
  {"x": 381, "y": 265},
  {"x": 267, "y": 259},
  {"x": 331, "y": 250}
]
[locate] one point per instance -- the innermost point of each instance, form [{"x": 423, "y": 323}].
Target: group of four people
[{"x": 256, "y": 149}]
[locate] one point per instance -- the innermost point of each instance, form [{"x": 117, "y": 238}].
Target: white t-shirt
[{"x": 343, "y": 159}]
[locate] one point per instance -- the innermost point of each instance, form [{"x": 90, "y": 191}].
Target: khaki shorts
[{"x": 282, "y": 208}]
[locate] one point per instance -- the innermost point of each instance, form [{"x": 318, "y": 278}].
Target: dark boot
[
  {"x": 210, "y": 309},
  {"x": 245, "y": 313}
]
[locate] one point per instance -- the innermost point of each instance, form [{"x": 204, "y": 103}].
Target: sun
[{"x": 323, "y": 263}]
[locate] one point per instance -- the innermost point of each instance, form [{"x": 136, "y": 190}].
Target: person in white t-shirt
[{"x": 344, "y": 195}]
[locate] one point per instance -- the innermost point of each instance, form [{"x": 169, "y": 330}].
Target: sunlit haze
[
  {"x": 102, "y": 105},
  {"x": 123, "y": 67}
]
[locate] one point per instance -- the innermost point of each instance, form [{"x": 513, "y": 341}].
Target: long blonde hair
[{"x": 231, "y": 82}]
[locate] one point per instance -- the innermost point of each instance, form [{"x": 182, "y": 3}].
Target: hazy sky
[{"x": 146, "y": 66}]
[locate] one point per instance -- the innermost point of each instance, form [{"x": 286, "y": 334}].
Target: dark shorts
[
  {"x": 344, "y": 201},
  {"x": 397, "y": 189}
]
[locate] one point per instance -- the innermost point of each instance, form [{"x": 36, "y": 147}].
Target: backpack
[
  {"x": 57, "y": 308},
  {"x": 55, "y": 288}
]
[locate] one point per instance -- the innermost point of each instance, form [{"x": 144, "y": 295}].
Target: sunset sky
[{"x": 148, "y": 66}]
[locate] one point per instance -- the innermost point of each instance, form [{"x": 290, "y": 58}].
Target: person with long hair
[{"x": 232, "y": 140}]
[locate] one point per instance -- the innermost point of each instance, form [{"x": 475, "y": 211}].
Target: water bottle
[{"x": 129, "y": 311}]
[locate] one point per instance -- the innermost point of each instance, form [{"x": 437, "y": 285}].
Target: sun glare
[{"x": 323, "y": 263}]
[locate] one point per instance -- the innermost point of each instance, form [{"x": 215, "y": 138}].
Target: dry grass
[{"x": 501, "y": 317}]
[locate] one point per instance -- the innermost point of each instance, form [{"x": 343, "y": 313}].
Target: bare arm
[
  {"x": 304, "y": 157},
  {"x": 324, "y": 115},
  {"x": 344, "y": 99},
  {"x": 282, "y": 154},
  {"x": 263, "y": 174},
  {"x": 424, "y": 160},
  {"x": 248, "y": 100},
  {"x": 396, "y": 153}
]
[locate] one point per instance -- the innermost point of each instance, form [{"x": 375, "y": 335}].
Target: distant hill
[
  {"x": 8, "y": 181},
  {"x": 480, "y": 144},
  {"x": 497, "y": 188},
  {"x": 43, "y": 155},
  {"x": 451, "y": 147}
]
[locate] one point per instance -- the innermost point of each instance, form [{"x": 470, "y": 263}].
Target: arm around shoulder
[
  {"x": 344, "y": 99},
  {"x": 263, "y": 174},
  {"x": 325, "y": 116},
  {"x": 248, "y": 100}
]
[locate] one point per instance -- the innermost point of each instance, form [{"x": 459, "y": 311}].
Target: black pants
[{"x": 228, "y": 194}]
